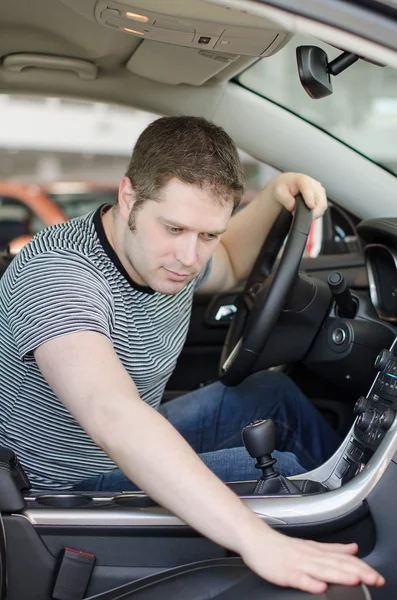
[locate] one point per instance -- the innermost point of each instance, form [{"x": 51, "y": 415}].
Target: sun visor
[{"x": 175, "y": 65}]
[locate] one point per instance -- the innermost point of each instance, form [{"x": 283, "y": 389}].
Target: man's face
[{"x": 174, "y": 238}]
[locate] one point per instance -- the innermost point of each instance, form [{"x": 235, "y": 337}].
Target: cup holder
[
  {"x": 63, "y": 500},
  {"x": 134, "y": 500}
]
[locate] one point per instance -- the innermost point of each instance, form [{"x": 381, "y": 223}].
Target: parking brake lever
[{"x": 344, "y": 300}]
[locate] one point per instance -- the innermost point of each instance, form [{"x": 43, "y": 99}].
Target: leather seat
[{"x": 219, "y": 579}]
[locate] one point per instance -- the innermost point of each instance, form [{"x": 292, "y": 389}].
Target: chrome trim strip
[
  {"x": 122, "y": 517},
  {"x": 282, "y": 510}
]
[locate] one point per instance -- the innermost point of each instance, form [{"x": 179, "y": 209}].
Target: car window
[
  {"x": 15, "y": 220},
  {"x": 78, "y": 203},
  {"x": 81, "y": 173},
  {"x": 362, "y": 111},
  {"x": 78, "y": 173}
]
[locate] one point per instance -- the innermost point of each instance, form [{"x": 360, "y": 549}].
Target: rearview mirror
[{"x": 313, "y": 71}]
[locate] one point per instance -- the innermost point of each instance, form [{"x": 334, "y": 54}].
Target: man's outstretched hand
[
  {"x": 306, "y": 565},
  {"x": 284, "y": 187}
]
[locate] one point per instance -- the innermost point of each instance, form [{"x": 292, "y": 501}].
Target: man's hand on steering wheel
[{"x": 286, "y": 186}]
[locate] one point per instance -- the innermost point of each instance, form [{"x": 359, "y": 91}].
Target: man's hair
[{"x": 191, "y": 149}]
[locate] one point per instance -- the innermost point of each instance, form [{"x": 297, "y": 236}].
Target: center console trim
[{"x": 281, "y": 510}]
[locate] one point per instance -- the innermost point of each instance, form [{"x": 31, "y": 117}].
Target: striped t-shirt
[{"x": 69, "y": 279}]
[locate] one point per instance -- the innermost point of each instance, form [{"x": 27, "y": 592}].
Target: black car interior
[{"x": 106, "y": 545}]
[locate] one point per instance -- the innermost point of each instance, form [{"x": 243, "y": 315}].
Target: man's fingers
[
  {"x": 307, "y": 583},
  {"x": 285, "y": 197},
  {"x": 334, "y": 573},
  {"x": 309, "y": 197},
  {"x": 312, "y": 192},
  {"x": 348, "y": 570},
  {"x": 335, "y": 547}
]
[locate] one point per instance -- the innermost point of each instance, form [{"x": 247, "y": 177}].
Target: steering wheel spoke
[
  {"x": 232, "y": 356},
  {"x": 250, "y": 294}
]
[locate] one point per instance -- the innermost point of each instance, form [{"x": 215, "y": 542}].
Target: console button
[
  {"x": 364, "y": 420},
  {"x": 360, "y": 467},
  {"x": 382, "y": 359},
  {"x": 338, "y": 336},
  {"x": 342, "y": 468},
  {"x": 361, "y": 405},
  {"x": 372, "y": 436},
  {"x": 379, "y": 435},
  {"x": 386, "y": 419},
  {"x": 354, "y": 452}
]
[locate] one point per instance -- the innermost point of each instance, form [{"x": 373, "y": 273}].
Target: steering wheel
[{"x": 260, "y": 303}]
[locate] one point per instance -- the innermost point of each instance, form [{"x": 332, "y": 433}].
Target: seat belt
[{"x": 73, "y": 574}]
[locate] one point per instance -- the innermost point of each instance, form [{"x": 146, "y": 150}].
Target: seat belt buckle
[{"x": 73, "y": 573}]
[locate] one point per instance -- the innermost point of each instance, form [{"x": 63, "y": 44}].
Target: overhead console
[
  {"x": 191, "y": 33},
  {"x": 167, "y": 39}
]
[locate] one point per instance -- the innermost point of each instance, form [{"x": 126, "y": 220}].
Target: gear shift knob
[{"x": 259, "y": 438}]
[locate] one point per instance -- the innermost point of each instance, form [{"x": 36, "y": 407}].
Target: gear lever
[{"x": 259, "y": 438}]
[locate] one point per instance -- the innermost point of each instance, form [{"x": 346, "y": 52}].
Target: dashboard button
[
  {"x": 338, "y": 336},
  {"x": 364, "y": 420},
  {"x": 354, "y": 452},
  {"x": 382, "y": 359},
  {"x": 386, "y": 419},
  {"x": 361, "y": 405},
  {"x": 342, "y": 468}
]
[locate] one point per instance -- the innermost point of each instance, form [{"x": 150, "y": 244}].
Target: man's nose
[{"x": 186, "y": 252}]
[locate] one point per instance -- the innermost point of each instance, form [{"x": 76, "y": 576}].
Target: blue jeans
[{"x": 211, "y": 419}]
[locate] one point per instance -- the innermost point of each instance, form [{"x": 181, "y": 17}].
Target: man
[{"x": 94, "y": 314}]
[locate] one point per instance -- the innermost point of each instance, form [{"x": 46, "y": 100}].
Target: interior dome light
[
  {"x": 133, "y": 31},
  {"x": 137, "y": 17}
]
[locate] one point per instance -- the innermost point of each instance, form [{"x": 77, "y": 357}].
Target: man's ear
[{"x": 126, "y": 197}]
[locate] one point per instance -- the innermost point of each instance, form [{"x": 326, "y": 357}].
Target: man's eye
[
  {"x": 210, "y": 236},
  {"x": 173, "y": 230}
]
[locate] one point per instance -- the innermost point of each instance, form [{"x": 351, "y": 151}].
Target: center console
[
  {"x": 376, "y": 414},
  {"x": 336, "y": 488}
]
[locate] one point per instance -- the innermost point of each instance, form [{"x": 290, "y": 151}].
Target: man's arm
[
  {"x": 85, "y": 373},
  {"x": 247, "y": 230}
]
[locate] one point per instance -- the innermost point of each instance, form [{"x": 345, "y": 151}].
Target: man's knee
[
  {"x": 276, "y": 380},
  {"x": 272, "y": 390}
]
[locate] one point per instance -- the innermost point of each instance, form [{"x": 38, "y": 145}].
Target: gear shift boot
[
  {"x": 277, "y": 486},
  {"x": 281, "y": 486}
]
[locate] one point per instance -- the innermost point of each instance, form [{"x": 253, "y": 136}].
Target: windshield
[{"x": 362, "y": 111}]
